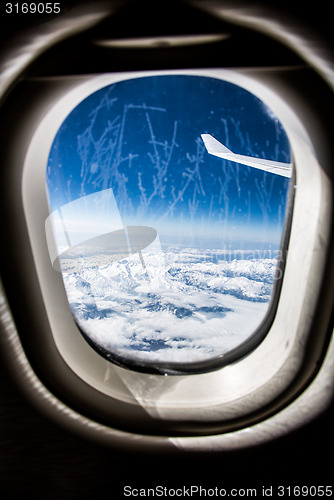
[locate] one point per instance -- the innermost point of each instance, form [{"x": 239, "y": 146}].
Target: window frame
[
  {"x": 310, "y": 394},
  {"x": 240, "y": 390}
]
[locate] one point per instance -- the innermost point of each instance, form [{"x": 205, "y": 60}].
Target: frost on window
[{"x": 168, "y": 253}]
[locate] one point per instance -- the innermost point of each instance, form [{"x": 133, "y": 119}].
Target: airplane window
[{"x": 168, "y": 196}]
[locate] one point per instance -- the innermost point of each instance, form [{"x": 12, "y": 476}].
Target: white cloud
[{"x": 183, "y": 306}]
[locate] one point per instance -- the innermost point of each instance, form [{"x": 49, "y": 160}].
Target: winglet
[{"x": 213, "y": 146}]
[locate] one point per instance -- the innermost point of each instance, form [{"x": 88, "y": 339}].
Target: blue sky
[{"x": 141, "y": 139}]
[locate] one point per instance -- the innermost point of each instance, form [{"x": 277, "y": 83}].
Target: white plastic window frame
[{"x": 249, "y": 383}]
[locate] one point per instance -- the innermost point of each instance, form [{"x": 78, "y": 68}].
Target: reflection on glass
[{"x": 168, "y": 253}]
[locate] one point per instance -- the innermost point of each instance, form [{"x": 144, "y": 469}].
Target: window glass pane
[{"x": 168, "y": 252}]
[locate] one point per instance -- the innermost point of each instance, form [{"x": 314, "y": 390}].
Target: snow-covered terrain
[{"x": 182, "y": 305}]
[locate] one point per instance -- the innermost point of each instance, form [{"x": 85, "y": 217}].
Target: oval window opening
[{"x": 168, "y": 196}]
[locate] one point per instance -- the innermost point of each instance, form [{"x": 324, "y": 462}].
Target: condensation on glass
[{"x": 168, "y": 253}]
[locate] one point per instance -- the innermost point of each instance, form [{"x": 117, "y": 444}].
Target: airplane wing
[{"x": 216, "y": 148}]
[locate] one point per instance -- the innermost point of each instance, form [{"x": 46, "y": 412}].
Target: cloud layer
[{"x": 181, "y": 306}]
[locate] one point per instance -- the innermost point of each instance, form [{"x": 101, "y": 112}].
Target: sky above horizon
[{"x": 139, "y": 140}]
